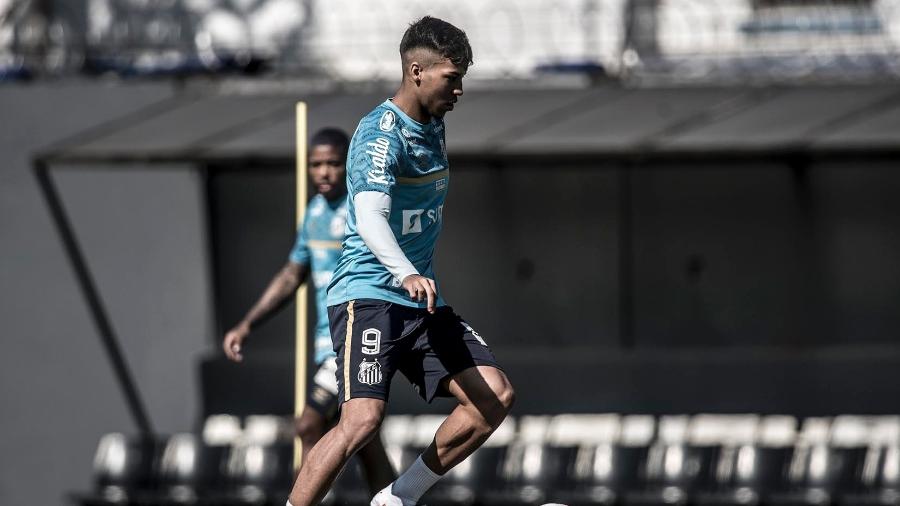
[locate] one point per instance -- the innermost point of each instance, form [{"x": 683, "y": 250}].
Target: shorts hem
[{"x": 365, "y": 395}]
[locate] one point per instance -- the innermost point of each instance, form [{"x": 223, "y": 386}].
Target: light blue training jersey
[
  {"x": 318, "y": 245},
  {"x": 393, "y": 154}
]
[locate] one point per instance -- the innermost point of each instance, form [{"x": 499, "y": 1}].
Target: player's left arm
[{"x": 372, "y": 212}]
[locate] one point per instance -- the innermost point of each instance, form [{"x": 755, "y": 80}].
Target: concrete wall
[{"x": 143, "y": 234}]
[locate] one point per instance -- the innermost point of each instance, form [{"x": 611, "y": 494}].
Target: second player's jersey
[
  {"x": 318, "y": 245},
  {"x": 393, "y": 154}
]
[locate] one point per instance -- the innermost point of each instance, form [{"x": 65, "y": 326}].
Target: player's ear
[{"x": 415, "y": 72}]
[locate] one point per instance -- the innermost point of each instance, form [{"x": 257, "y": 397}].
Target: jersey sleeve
[
  {"x": 375, "y": 159},
  {"x": 300, "y": 252}
]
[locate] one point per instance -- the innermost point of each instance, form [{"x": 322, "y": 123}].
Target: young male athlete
[
  {"x": 315, "y": 252},
  {"x": 385, "y": 309}
]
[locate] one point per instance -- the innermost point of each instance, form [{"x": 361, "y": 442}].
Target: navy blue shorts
[{"x": 374, "y": 339}]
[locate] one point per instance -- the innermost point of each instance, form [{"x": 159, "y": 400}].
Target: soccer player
[
  {"x": 385, "y": 309},
  {"x": 315, "y": 253}
]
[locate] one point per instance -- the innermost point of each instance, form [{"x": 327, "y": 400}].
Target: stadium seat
[
  {"x": 673, "y": 469},
  {"x": 256, "y": 472},
  {"x": 599, "y": 464},
  {"x": 824, "y": 462},
  {"x": 879, "y": 475},
  {"x": 528, "y": 469},
  {"x": 188, "y": 469},
  {"x": 259, "y": 461},
  {"x": 122, "y": 470},
  {"x": 751, "y": 461}
]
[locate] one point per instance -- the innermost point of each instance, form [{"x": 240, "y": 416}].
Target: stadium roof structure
[{"x": 601, "y": 122}]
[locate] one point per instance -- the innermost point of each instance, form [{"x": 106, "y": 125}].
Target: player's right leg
[
  {"x": 368, "y": 338},
  {"x": 359, "y": 423}
]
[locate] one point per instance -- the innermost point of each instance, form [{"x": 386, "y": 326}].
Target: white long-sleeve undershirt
[{"x": 372, "y": 210}]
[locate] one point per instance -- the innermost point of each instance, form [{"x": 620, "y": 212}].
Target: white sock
[{"x": 415, "y": 481}]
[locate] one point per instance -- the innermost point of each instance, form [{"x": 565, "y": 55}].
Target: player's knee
[
  {"x": 506, "y": 395},
  {"x": 505, "y": 398},
  {"x": 362, "y": 425}
]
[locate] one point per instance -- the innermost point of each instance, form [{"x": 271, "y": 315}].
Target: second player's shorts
[
  {"x": 323, "y": 395},
  {"x": 374, "y": 339}
]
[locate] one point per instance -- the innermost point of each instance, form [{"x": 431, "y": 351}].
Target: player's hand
[
  {"x": 233, "y": 341},
  {"x": 419, "y": 288}
]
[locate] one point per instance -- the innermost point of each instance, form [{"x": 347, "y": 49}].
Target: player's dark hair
[
  {"x": 441, "y": 37},
  {"x": 331, "y": 137}
]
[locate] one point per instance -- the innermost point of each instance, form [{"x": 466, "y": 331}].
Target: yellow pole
[{"x": 301, "y": 338}]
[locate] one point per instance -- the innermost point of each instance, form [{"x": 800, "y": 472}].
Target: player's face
[
  {"x": 327, "y": 171},
  {"x": 441, "y": 87}
]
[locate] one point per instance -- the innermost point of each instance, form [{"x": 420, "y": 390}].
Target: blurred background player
[
  {"x": 384, "y": 308},
  {"x": 315, "y": 254}
]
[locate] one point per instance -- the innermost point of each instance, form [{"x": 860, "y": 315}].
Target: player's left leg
[
  {"x": 485, "y": 397},
  {"x": 457, "y": 362}
]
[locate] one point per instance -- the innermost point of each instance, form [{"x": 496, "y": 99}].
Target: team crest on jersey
[
  {"x": 369, "y": 373},
  {"x": 387, "y": 121}
]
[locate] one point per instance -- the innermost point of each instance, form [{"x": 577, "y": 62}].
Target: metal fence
[{"x": 638, "y": 41}]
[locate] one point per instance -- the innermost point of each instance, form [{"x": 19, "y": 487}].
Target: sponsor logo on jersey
[
  {"x": 378, "y": 151},
  {"x": 412, "y": 221},
  {"x": 412, "y": 218},
  {"x": 369, "y": 373},
  {"x": 440, "y": 184},
  {"x": 387, "y": 121}
]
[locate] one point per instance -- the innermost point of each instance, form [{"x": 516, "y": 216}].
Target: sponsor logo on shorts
[
  {"x": 387, "y": 121},
  {"x": 369, "y": 373},
  {"x": 476, "y": 335},
  {"x": 378, "y": 151}
]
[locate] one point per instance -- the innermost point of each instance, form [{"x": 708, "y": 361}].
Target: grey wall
[{"x": 143, "y": 234}]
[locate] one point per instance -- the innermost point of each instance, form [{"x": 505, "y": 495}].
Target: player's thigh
[
  {"x": 482, "y": 386},
  {"x": 368, "y": 338}
]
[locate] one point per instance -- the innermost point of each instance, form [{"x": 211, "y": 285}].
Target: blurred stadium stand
[{"x": 638, "y": 41}]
